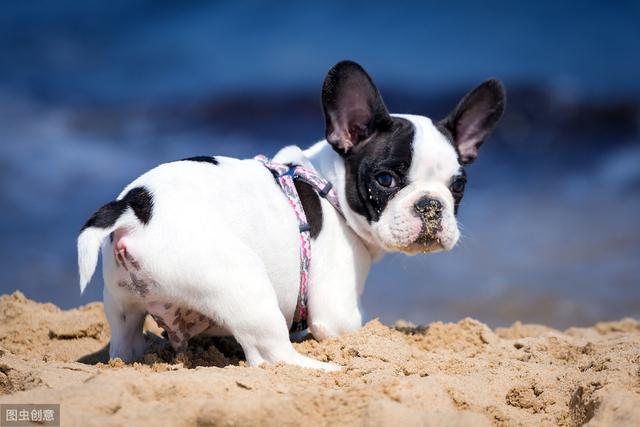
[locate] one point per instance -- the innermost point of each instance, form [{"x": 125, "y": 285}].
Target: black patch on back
[
  {"x": 312, "y": 207},
  {"x": 206, "y": 159},
  {"x": 389, "y": 151},
  {"x": 139, "y": 199}
]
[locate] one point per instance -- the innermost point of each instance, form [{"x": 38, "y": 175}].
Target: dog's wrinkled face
[{"x": 404, "y": 175}]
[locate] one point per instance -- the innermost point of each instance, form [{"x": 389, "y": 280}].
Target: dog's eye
[
  {"x": 458, "y": 185},
  {"x": 386, "y": 180}
]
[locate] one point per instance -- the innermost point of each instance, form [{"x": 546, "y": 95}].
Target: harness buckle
[
  {"x": 305, "y": 228},
  {"x": 323, "y": 193},
  {"x": 291, "y": 171}
]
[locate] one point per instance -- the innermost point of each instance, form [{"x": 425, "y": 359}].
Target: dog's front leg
[{"x": 340, "y": 268}]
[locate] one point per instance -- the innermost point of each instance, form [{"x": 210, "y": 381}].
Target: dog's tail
[{"x": 128, "y": 212}]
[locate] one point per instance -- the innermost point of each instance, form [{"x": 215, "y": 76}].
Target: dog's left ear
[
  {"x": 353, "y": 108},
  {"x": 475, "y": 117}
]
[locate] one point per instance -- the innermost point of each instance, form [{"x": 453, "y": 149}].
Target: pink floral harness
[{"x": 286, "y": 175}]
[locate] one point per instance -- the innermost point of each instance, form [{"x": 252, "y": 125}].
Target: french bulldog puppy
[{"x": 211, "y": 245}]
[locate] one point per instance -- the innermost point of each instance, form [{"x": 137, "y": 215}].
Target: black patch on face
[
  {"x": 312, "y": 207},
  {"x": 388, "y": 151},
  {"x": 139, "y": 199},
  {"x": 457, "y": 195},
  {"x": 206, "y": 159}
]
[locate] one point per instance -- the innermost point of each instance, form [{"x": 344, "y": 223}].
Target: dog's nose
[{"x": 427, "y": 205}]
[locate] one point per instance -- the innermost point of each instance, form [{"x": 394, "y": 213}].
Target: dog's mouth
[
  {"x": 429, "y": 239},
  {"x": 420, "y": 247},
  {"x": 427, "y": 242}
]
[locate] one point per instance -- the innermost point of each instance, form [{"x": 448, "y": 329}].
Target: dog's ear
[
  {"x": 353, "y": 108},
  {"x": 474, "y": 118}
]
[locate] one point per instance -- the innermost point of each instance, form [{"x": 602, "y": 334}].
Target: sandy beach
[{"x": 440, "y": 374}]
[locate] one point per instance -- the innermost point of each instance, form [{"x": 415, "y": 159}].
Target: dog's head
[{"x": 404, "y": 175}]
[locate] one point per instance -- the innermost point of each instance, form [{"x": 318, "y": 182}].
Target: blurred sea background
[{"x": 93, "y": 94}]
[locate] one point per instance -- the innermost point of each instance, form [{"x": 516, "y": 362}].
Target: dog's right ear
[{"x": 353, "y": 108}]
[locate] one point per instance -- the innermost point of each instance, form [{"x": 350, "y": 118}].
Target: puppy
[{"x": 211, "y": 245}]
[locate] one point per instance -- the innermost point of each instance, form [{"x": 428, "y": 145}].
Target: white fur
[{"x": 224, "y": 241}]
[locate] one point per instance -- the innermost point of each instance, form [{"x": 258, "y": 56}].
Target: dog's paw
[
  {"x": 128, "y": 353},
  {"x": 307, "y": 362},
  {"x": 316, "y": 364},
  {"x": 331, "y": 367},
  {"x": 320, "y": 331}
]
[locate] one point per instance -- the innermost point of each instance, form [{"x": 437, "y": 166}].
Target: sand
[{"x": 440, "y": 374}]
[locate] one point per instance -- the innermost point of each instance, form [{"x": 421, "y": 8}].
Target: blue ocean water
[{"x": 92, "y": 94}]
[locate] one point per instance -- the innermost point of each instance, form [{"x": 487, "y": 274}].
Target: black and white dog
[{"x": 214, "y": 239}]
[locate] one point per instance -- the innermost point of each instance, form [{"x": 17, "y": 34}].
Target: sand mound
[{"x": 439, "y": 374}]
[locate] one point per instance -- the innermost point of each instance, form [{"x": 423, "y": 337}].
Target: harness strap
[{"x": 285, "y": 176}]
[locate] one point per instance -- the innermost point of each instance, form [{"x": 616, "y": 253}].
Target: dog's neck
[{"x": 325, "y": 161}]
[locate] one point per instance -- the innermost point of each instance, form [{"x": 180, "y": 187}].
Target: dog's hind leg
[
  {"x": 125, "y": 311},
  {"x": 126, "y": 320},
  {"x": 244, "y": 303}
]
